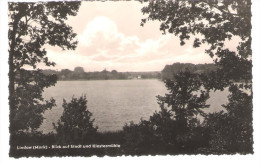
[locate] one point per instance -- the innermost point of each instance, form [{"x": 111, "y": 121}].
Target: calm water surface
[{"x": 114, "y": 102}]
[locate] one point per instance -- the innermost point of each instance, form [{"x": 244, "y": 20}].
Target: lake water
[{"x": 114, "y": 102}]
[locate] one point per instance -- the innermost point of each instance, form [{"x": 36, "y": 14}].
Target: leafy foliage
[
  {"x": 175, "y": 128},
  {"x": 214, "y": 23},
  {"x": 75, "y": 125},
  {"x": 183, "y": 98},
  {"x": 31, "y": 26},
  {"x": 211, "y": 22},
  {"x": 231, "y": 131}
]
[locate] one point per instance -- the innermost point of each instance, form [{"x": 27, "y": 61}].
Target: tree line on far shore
[
  {"x": 167, "y": 73},
  {"x": 79, "y": 74}
]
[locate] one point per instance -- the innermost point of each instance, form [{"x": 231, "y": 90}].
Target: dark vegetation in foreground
[{"x": 175, "y": 129}]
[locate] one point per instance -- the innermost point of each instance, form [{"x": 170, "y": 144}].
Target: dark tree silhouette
[
  {"x": 175, "y": 128},
  {"x": 214, "y": 23},
  {"x": 185, "y": 98},
  {"x": 231, "y": 131},
  {"x": 31, "y": 26},
  {"x": 75, "y": 125},
  {"x": 186, "y": 101}
]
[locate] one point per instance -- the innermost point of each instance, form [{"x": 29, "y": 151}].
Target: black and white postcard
[{"x": 130, "y": 78}]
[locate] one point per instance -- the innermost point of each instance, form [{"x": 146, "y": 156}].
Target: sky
[{"x": 110, "y": 37}]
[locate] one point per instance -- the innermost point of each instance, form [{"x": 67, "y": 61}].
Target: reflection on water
[{"x": 115, "y": 102}]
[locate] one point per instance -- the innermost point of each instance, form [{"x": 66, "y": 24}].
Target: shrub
[
  {"x": 231, "y": 131},
  {"x": 175, "y": 128},
  {"x": 75, "y": 125}
]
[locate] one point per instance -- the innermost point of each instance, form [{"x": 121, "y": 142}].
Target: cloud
[
  {"x": 110, "y": 36},
  {"x": 102, "y": 35},
  {"x": 99, "y": 27},
  {"x": 103, "y": 45},
  {"x": 102, "y": 38}
]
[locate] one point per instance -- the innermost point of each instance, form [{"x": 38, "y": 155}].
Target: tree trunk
[
  {"x": 11, "y": 90},
  {"x": 11, "y": 72}
]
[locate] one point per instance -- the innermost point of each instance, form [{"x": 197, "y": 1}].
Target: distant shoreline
[
  {"x": 108, "y": 79},
  {"x": 79, "y": 74}
]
